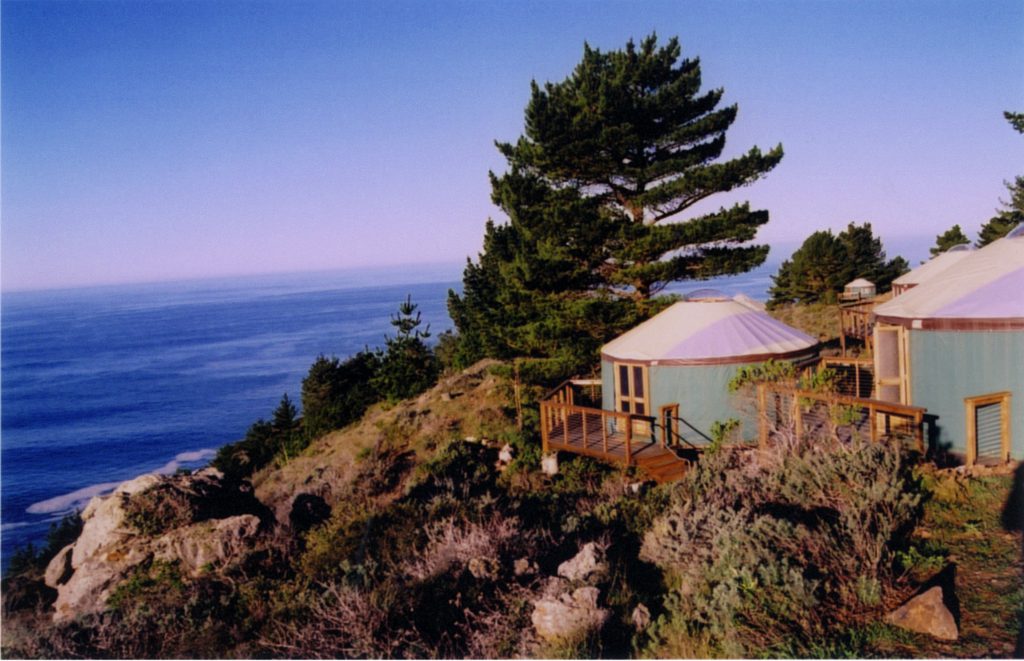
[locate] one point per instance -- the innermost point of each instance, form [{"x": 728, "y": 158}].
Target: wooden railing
[
  {"x": 856, "y": 321},
  {"x": 855, "y": 375},
  {"x": 601, "y": 433},
  {"x": 810, "y": 412}
]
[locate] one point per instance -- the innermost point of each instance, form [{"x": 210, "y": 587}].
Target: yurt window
[{"x": 988, "y": 428}]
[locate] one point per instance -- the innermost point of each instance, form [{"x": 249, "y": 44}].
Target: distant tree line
[{"x": 825, "y": 263}]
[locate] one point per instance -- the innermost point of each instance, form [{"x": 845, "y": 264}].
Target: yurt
[
  {"x": 955, "y": 345},
  {"x": 858, "y": 289},
  {"x": 930, "y": 269},
  {"x": 688, "y": 353}
]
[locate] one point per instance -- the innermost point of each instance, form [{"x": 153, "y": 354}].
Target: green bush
[
  {"x": 766, "y": 548},
  {"x": 336, "y": 393}
]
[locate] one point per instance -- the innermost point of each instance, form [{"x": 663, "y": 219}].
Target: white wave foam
[
  {"x": 71, "y": 501},
  {"x": 80, "y": 498},
  {"x": 4, "y": 527},
  {"x": 186, "y": 458}
]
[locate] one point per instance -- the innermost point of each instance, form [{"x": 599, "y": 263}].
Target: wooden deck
[{"x": 612, "y": 437}]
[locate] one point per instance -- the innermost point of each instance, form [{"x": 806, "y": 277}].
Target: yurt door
[
  {"x": 891, "y": 364},
  {"x": 632, "y": 395}
]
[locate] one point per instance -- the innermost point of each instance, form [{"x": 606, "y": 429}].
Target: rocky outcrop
[
  {"x": 926, "y": 613},
  {"x": 218, "y": 522},
  {"x": 568, "y": 616},
  {"x": 587, "y": 566},
  {"x": 563, "y": 613}
]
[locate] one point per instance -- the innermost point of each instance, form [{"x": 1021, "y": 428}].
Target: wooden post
[
  {"x": 798, "y": 417},
  {"x": 629, "y": 439},
  {"x": 873, "y": 422},
  {"x": 1004, "y": 411},
  {"x": 919, "y": 431},
  {"x": 762, "y": 414},
  {"x": 519, "y": 399},
  {"x": 972, "y": 434},
  {"x": 544, "y": 422}
]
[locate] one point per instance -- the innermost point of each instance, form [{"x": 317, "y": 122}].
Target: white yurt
[
  {"x": 688, "y": 353},
  {"x": 955, "y": 345}
]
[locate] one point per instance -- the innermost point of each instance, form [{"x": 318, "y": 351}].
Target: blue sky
[{"x": 146, "y": 141}]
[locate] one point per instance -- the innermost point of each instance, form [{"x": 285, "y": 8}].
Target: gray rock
[
  {"x": 926, "y": 613},
  {"x": 641, "y": 617},
  {"x": 59, "y": 570},
  {"x": 208, "y": 544},
  {"x": 586, "y": 566},
  {"x": 505, "y": 455},
  {"x": 568, "y": 616},
  {"x": 549, "y": 464},
  {"x": 107, "y": 551}
]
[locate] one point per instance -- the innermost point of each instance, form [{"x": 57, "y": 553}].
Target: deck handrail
[
  {"x": 551, "y": 410},
  {"x": 874, "y": 407},
  {"x": 557, "y": 389}
]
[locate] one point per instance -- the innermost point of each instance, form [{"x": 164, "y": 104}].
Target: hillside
[{"x": 406, "y": 534}]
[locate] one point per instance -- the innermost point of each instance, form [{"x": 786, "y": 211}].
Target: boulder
[
  {"x": 59, "y": 570},
  {"x": 641, "y": 617},
  {"x": 549, "y": 464},
  {"x": 926, "y": 613},
  {"x": 568, "y": 616},
  {"x": 216, "y": 526},
  {"x": 103, "y": 519},
  {"x": 208, "y": 544},
  {"x": 586, "y": 566}
]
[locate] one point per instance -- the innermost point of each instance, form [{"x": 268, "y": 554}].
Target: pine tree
[
  {"x": 952, "y": 237},
  {"x": 407, "y": 365},
  {"x": 284, "y": 415},
  {"x": 610, "y": 159},
  {"x": 1012, "y": 213},
  {"x": 633, "y": 130}
]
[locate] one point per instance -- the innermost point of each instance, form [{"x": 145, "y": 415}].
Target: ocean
[{"x": 102, "y": 384}]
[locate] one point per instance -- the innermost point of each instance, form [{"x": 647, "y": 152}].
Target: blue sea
[{"x": 102, "y": 384}]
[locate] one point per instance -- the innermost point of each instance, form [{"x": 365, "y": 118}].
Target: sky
[{"x": 148, "y": 141}]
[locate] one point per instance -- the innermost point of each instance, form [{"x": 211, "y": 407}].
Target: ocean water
[{"x": 102, "y": 384}]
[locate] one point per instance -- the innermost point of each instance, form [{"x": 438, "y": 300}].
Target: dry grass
[{"x": 467, "y": 404}]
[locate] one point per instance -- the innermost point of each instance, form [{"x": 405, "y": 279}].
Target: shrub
[
  {"x": 335, "y": 393},
  {"x": 764, "y": 547}
]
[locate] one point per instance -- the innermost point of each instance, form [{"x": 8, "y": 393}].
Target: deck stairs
[{"x": 666, "y": 465}]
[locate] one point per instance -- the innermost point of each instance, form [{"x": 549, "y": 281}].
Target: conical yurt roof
[
  {"x": 934, "y": 266},
  {"x": 703, "y": 332},
  {"x": 984, "y": 290}
]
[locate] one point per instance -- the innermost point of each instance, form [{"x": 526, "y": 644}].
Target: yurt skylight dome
[{"x": 707, "y": 294}]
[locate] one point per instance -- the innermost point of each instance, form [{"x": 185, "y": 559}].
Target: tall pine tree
[
  {"x": 610, "y": 159},
  {"x": 633, "y": 130}
]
